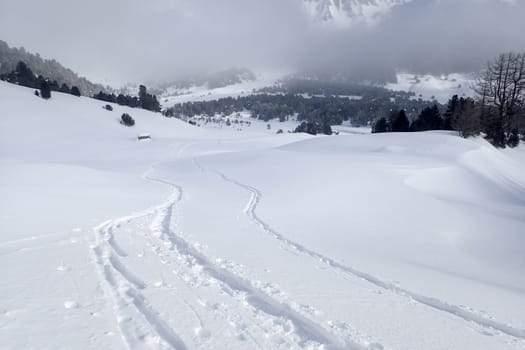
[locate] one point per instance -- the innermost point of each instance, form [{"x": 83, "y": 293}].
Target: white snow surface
[
  {"x": 206, "y": 238},
  {"x": 431, "y": 87},
  {"x": 173, "y": 95}
]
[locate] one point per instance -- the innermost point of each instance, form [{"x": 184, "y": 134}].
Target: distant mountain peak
[{"x": 345, "y": 11}]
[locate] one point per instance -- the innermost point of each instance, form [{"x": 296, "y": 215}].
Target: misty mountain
[
  {"x": 163, "y": 44},
  {"x": 346, "y": 10},
  {"x": 49, "y": 68},
  {"x": 212, "y": 80}
]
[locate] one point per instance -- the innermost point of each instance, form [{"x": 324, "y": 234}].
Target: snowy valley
[
  {"x": 212, "y": 238},
  {"x": 262, "y": 175}
]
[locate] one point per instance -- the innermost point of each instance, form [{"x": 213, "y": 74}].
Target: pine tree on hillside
[
  {"x": 75, "y": 91},
  {"x": 53, "y": 84},
  {"x": 24, "y": 76},
  {"x": 105, "y": 97},
  {"x": 400, "y": 123},
  {"x": 429, "y": 119},
  {"x": 148, "y": 101},
  {"x": 380, "y": 126},
  {"x": 452, "y": 106},
  {"x": 65, "y": 89},
  {"x": 45, "y": 89}
]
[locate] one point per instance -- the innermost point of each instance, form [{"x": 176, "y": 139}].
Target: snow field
[{"x": 211, "y": 239}]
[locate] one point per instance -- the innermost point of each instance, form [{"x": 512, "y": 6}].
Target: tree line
[
  {"x": 497, "y": 112},
  {"x": 23, "y": 75},
  {"x": 331, "y": 110},
  {"x": 49, "y": 68},
  {"x": 144, "y": 100}
]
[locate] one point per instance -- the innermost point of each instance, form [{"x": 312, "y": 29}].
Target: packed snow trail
[{"x": 250, "y": 211}]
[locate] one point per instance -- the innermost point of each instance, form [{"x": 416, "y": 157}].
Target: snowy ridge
[{"x": 432, "y": 87}]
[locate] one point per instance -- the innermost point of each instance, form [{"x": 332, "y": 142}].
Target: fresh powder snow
[{"x": 215, "y": 238}]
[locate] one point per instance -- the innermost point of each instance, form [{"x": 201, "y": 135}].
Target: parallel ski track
[
  {"x": 251, "y": 212},
  {"x": 138, "y": 320},
  {"x": 304, "y": 328}
]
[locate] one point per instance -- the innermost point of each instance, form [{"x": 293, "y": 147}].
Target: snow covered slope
[
  {"x": 344, "y": 11},
  {"x": 214, "y": 239},
  {"x": 203, "y": 92},
  {"x": 431, "y": 87}
]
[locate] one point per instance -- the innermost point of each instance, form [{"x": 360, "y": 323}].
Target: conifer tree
[
  {"x": 45, "y": 89},
  {"x": 401, "y": 122},
  {"x": 75, "y": 91}
]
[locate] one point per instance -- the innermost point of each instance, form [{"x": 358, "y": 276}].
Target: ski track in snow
[
  {"x": 304, "y": 328},
  {"x": 141, "y": 325},
  {"x": 250, "y": 211}
]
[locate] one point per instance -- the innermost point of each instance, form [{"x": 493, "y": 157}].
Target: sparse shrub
[
  {"x": 108, "y": 108},
  {"x": 127, "y": 120}
]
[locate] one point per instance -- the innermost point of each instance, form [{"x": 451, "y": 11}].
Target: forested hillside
[{"x": 50, "y": 68}]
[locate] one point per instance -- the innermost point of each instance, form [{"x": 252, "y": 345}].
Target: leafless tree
[
  {"x": 466, "y": 119},
  {"x": 501, "y": 91}
]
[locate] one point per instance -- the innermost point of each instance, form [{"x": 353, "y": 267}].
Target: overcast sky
[{"x": 138, "y": 40}]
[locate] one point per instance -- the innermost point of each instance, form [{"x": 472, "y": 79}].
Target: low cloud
[{"x": 136, "y": 40}]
